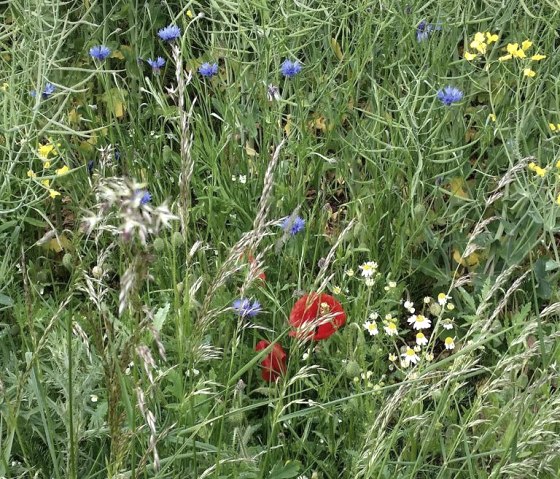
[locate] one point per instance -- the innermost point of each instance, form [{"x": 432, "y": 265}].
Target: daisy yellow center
[{"x": 410, "y": 352}]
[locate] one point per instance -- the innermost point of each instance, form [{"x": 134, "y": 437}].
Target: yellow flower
[
  {"x": 540, "y": 171},
  {"x": 45, "y": 150},
  {"x": 512, "y": 48},
  {"x": 189, "y": 14},
  {"x": 528, "y": 72},
  {"x": 504, "y": 58},
  {"x": 46, "y": 183},
  {"x": 492, "y": 117},
  {"x": 469, "y": 56},
  {"x": 31, "y": 174},
  {"x": 558, "y": 164},
  {"x": 54, "y": 194},
  {"x": 491, "y": 38},
  {"x": 479, "y": 37},
  {"x": 532, "y": 166},
  {"x": 538, "y": 57},
  {"x": 64, "y": 170},
  {"x": 526, "y": 44},
  {"x": 4, "y": 86},
  {"x": 479, "y": 46},
  {"x": 552, "y": 126},
  {"x": 558, "y": 200},
  {"x": 449, "y": 343},
  {"x": 46, "y": 164}
]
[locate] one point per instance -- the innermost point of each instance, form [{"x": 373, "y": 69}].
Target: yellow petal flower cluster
[
  {"x": 514, "y": 50},
  {"x": 480, "y": 43},
  {"x": 537, "y": 169}
]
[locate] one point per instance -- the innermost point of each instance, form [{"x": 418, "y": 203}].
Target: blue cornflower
[
  {"x": 156, "y": 64},
  {"x": 449, "y": 95},
  {"x": 170, "y": 33},
  {"x": 145, "y": 196},
  {"x": 290, "y": 69},
  {"x": 293, "y": 225},
  {"x": 243, "y": 307},
  {"x": 100, "y": 52},
  {"x": 424, "y": 29},
  {"x": 208, "y": 69},
  {"x": 47, "y": 91}
]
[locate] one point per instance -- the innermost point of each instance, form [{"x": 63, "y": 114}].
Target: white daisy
[
  {"x": 371, "y": 328},
  {"x": 409, "y": 306},
  {"x": 391, "y": 329},
  {"x": 449, "y": 343},
  {"x": 442, "y": 298},
  {"x": 410, "y": 357},
  {"x": 419, "y": 321},
  {"x": 421, "y": 340},
  {"x": 369, "y": 268},
  {"x": 447, "y": 324}
]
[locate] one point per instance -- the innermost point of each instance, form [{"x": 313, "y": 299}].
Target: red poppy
[
  {"x": 323, "y": 310},
  {"x": 274, "y": 364}
]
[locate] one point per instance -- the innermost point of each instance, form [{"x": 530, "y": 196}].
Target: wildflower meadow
[{"x": 279, "y": 239}]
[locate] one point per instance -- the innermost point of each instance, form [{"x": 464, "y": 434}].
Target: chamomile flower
[
  {"x": 442, "y": 298},
  {"x": 392, "y": 357},
  {"x": 427, "y": 299},
  {"x": 374, "y": 315},
  {"x": 409, "y": 306},
  {"x": 391, "y": 329},
  {"x": 350, "y": 272},
  {"x": 421, "y": 340},
  {"x": 392, "y": 284},
  {"x": 409, "y": 357},
  {"x": 450, "y": 306},
  {"x": 371, "y": 328},
  {"x": 419, "y": 321},
  {"x": 370, "y": 282},
  {"x": 369, "y": 268},
  {"x": 447, "y": 324},
  {"x": 449, "y": 343},
  {"x": 428, "y": 356}
]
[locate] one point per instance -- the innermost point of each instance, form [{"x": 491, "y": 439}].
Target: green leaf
[
  {"x": 6, "y": 300},
  {"x": 160, "y": 317},
  {"x": 290, "y": 469}
]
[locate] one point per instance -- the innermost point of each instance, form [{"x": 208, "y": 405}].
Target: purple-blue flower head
[
  {"x": 156, "y": 64},
  {"x": 449, "y": 95},
  {"x": 424, "y": 29},
  {"x": 208, "y": 69},
  {"x": 290, "y": 69},
  {"x": 170, "y": 33},
  {"x": 47, "y": 91},
  {"x": 243, "y": 307},
  {"x": 100, "y": 52},
  {"x": 144, "y": 195},
  {"x": 293, "y": 225}
]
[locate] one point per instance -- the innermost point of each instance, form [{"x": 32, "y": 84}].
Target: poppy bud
[{"x": 274, "y": 364}]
